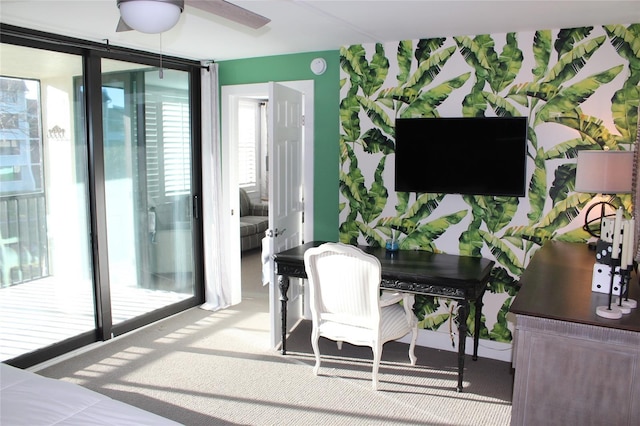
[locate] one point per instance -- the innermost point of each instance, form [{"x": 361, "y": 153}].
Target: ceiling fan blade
[
  {"x": 122, "y": 26},
  {"x": 230, "y": 11}
]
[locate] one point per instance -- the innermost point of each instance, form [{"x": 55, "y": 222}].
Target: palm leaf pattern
[{"x": 552, "y": 92}]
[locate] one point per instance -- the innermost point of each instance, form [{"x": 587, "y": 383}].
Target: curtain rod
[{"x": 27, "y": 34}]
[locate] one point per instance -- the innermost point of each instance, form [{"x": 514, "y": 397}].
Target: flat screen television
[{"x": 466, "y": 155}]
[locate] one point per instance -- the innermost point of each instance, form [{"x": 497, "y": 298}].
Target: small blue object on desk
[{"x": 392, "y": 245}]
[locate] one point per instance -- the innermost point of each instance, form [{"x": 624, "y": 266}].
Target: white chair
[{"x": 346, "y": 303}]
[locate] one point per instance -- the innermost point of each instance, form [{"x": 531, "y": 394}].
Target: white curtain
[
  {"x": 636, "y": 190},
  {"x": 215, "y": 222}
]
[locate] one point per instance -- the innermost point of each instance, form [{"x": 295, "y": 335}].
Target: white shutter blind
[
  {"x": 247, "y": 143},
  {"x": 168, "y": 144},
  {"x": 176, "y": 146},
  {"x": 152, "y": 144}
]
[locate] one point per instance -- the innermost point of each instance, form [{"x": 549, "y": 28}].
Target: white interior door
[
  {"x": 286, "y": 195},
  {"x": 230, "y": 202}
]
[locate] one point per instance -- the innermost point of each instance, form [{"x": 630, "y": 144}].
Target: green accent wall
[{"x": 326, "y": 120}]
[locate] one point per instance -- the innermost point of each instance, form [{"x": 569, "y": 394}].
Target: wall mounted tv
[{"x": 466, "y": 155}]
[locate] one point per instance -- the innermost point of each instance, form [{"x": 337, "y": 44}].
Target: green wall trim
[{"x": 326, "y": 120}]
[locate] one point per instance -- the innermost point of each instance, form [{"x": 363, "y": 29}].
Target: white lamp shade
[
  {"x": 604, "y": 172},
  {"x": 148, "y": 16}
]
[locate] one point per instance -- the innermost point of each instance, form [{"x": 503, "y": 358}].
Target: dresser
[{"x": 572, "y": 367}]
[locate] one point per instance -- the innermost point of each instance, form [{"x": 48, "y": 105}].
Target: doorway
[{"x": 229, "y": 99}]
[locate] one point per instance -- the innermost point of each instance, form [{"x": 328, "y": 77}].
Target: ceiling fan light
[{"x": 150, "y": 16}]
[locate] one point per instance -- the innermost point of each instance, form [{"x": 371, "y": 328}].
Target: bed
[{"x": 27, "y": 398}]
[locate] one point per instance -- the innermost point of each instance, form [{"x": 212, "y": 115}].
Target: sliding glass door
[
  {"x": 99, "y": 230},
  {"x": 47, "y": 291},
  {"x": 147, "y": 164}
]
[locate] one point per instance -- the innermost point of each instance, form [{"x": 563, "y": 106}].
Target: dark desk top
[
  {"x": 414, "y": 266},
  {"x": 557, "y": 285}
]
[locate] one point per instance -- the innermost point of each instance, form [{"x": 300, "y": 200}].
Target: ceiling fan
[{"x": 155, "y": 16}]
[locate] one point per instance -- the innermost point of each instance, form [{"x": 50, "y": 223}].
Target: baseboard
[{"x": 439, "y": 340}]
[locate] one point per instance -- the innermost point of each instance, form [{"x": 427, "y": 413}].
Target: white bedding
[{"x": 30, "y": 399}]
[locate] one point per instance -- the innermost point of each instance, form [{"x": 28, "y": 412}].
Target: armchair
[
  {"x": 346, "y": 304},
  {"x": 254, "y": 220}
]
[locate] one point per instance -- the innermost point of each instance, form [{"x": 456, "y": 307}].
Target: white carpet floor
[{"x": 216, "y": 368}]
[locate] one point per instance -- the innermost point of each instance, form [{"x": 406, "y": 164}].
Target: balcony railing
[{"x": 23, "y": 239}]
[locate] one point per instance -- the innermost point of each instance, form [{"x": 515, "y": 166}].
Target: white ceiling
[{"x": 306, "y": 26}]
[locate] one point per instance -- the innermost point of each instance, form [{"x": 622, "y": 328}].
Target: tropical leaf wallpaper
[{"x": 579, "y": 89}]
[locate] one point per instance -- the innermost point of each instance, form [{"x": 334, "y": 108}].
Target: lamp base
[
  {"x": 629, "y": 303},
  {"x": 611, "y": 313},
  {"x": 624, "y": 309},
  {"x": 593, "y": 225}
]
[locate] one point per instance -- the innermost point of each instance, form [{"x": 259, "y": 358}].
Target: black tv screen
[{"x": 468, "y": 155}]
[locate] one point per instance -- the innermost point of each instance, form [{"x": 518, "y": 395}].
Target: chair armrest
[
  {"x": 408, "y": 300},
  {"x": 388, "y": 298}
]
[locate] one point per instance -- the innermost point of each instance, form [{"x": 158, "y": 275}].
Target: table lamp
[{"x": 605, "y": 173}]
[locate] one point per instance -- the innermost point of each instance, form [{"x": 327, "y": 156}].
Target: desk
[
  {"x": 572, "y": 366},
  {"x": 462, "y": 278}
]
